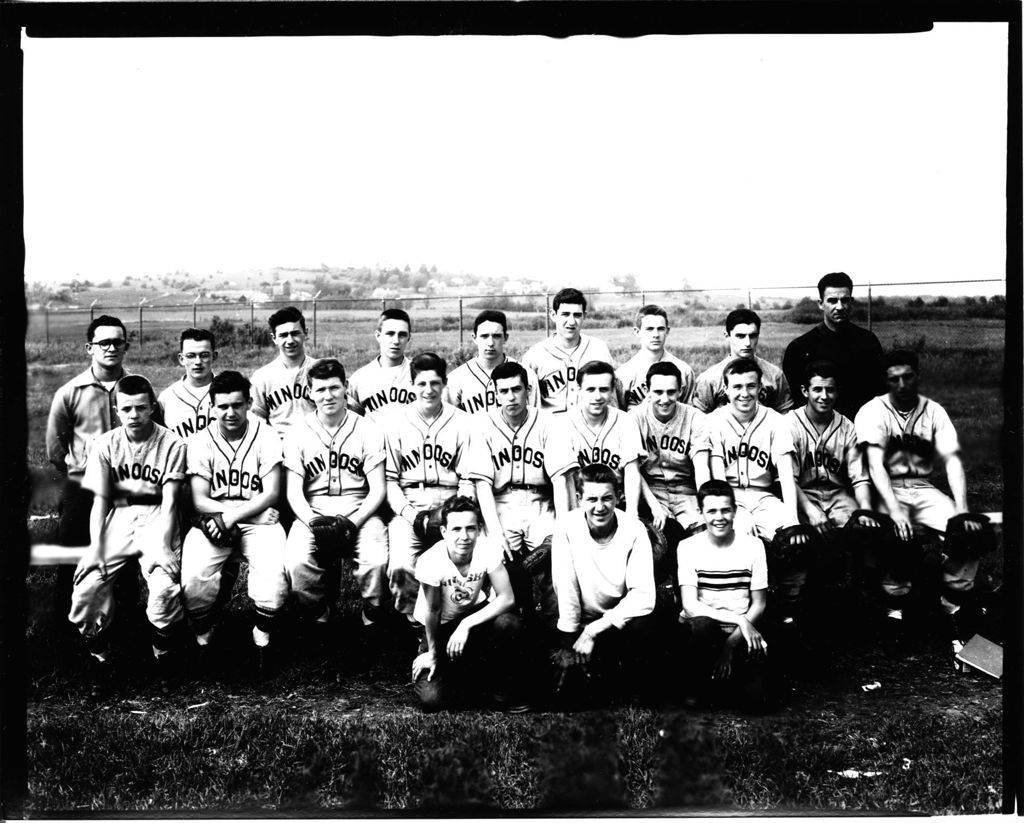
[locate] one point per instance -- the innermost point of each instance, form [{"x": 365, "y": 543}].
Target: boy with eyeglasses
[{"x": 186, "y": 404}]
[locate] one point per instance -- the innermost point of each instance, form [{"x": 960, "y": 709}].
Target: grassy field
[{"x": 348, "y": 738}]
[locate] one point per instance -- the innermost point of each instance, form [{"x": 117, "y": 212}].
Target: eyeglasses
[
  {"x": 200, "y": 355},
  {"x": 113, "y": 343}
]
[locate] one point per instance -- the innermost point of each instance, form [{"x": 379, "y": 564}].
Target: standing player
[
  {"x": 280, "y": 392},
  {"x": 651, "y": 329},
  {"x": 134, "y": 472},
  {"x": 743, "y": 329},
  {"x": 510, "y": 462},
  {"x": 426, "y": 443},
  {"x": 556, "y": 359},
  {"x": 904, "y": 432},
  {"x": 384, "y": 382},
  {"x": 335, "y": 466},
  {"x": 855, "y": 351},
  {"x": 469, "y": 386},
  {"x": 593, "y": 432},
  {"x": 185, "y": 404},
  {"x": 234, "y": 469}
]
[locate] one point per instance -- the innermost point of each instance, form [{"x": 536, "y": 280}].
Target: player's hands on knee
[
  {"x": 506, "y": 549},
  {"x": 272, "y": 516},
  {"x": 658, "y": 517},
  {"x": 756, "y": 644},
  {"x": 457, "y": 642},
  {"x": 867, "y": 522},
  {"x": 583, "y": 648},
  {"x": 901, "y": 523},
  {"x": 93, "y": 561},
  {"x": 424, "y": 663}
]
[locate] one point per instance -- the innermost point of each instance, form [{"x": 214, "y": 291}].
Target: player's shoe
[
  {"x": 509, "y": 704},
  {"x": 266, "y": 663},
  {"x": 167, "y": 671},
  {"x": 98, "y": 678}
]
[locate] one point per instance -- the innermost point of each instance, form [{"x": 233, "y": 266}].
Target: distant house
[{"x": 282, "y": 290}]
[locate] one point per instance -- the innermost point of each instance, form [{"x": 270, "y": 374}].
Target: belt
[
  {"x": 660, "y": 481},
  {"x": 139, "y": 500},
  {"x": 422, "y": 485},
  {"x": 527, "y": 487}
]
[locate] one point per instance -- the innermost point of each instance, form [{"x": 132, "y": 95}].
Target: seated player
[
  {"x": 723, "y": 580},
  {"x": 651, "y": 328},
  {"x": 426, "y": 444},
  {"x": 134, "y": 472},
  {"x": 556, "y": 359},
  {"x": 185, "y": 404},
  {"x": 603, "y": 573},
  {"x": 234, "y": 468},
  {"x": 383, "y": 384},
  {"x": 743, "y": 330},
  {"x": 594, "y": 432},
  {"x": 334, "y": 461},
  {"x": 675, "y": 462},
  {"x": 510, "y": 460},
  {"x": 904, "y": 432},
  {"x": 470, "y": 386},
  {"x": 468, "y": 636},
  {"x": 279, "y": 389}
]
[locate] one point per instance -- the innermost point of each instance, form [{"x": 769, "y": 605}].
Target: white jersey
[
  {"x": 375, "y": 389},
  {"x": 134, "y": 469},
  {"x": 186, "y": 409},
  {"x": 556, "y": 369},
  {"x": 235, "y": 469},
  {"x": 460, "y": 593},
  {"x": 830, "y": 458},
  {"x": 709, "y": 392},
  {"x": 910, "y": 441},
  {"x": 632, "y": 377},
  {"x": 471, "y": 389},
  {"x": 750, "y": 450},
  {"x": 615, "y": 442},
  {"x": 280, "y": 393},
  {"x": 336, "y": 462},
  {"x": 429, "y": 453},
  {"x": 671, "y": 447},
  {"x": 504, "y": 456}
]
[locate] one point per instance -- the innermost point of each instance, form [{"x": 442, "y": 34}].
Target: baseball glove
[
  {"x": 225, "y": 537},
  {"x": 334, "y": 536},
  {"x": 794, "y": 547},
  {"x": 533, "y": 561},
  {"x": 427, "y": 526},
  {"x": 969, "y": 545}
]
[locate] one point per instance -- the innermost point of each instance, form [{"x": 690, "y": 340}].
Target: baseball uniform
[
  {"x": 425, "y": 462},
  {"x": 670, "y": 450},
  {"x": 280, "y": 393},
  {"x": 186, "y": 409},
  {"x": 375, "y": 389},
  {"x": 632, "y": 376},
  {"x": 750, "y": 452},
  {"x": 709, "y": 392},
  {"x": 615, "y": 442},
  {"x": 556, "y": 369},
  {"x": 828, "y": 464},
  {"x": 236, "y": 471},
  {"x": 334, "y": 467},
  {"x": 134, "y": 474},
  {"x": 470, "y": 388}
]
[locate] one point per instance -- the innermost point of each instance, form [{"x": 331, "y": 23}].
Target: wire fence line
[{"x": 149, "y": 319}]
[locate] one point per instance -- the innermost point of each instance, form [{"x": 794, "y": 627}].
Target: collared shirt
[
  {"x": 709, "y": 393},
  {"x": 82, "y": 409}
]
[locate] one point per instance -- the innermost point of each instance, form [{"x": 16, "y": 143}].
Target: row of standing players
[{"x": 289, "y": 443}]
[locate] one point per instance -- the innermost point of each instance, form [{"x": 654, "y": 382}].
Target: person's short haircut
[
  {"x": 429, "y": 361},
  {"x": 902, "y": 357},
  {"x": 289, "y": 314},
  {"x": 834, "y": 280},
  {"x": 819, "y": 368},
  {"x": 665, "y": 368},
  {"x": 572, "y": 297},
  {"x": 394, "y": 314},
  {"x": 491, "y": 316},
  {"x": 132, "y": 384},
  {"x": 104, "y": 320},
  {"x": 459, "y": 503},
  {"x": 738, "y": 316},
  {"x": 647, "y": 311},
  {"x": 228, "y": 382},
  {"x": 594, "y": 367},
  {"x": 741, "y": 365},
  {"x": 715, "y": 488},
  {"x": 596, "y": 473},
  {"x": 510, "y": 369},
  {"x": 199, "y": 335},
  {"x": 325, "y": 369}
]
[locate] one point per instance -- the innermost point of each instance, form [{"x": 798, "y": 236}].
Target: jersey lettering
[
  {"x": 759, "y": 456},
  {"x": 234, "y": 478},
  {"x": 635, "y": 396},
  {"x": 519, "y": 455},
  {"x": 385, "y": 397},
  {"x": 666, "y": 443},
  {"x": 278, "y": 397},
  {"x": 599, "y": 455},
  {"x": 479, "y": 402},
  {"x": 192, "y": 425},
  {"x": 137, "y": 471},
  {"x": 821, "y": 458}
]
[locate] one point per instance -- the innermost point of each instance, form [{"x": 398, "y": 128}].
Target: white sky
[{"x": 728, "y": 160}]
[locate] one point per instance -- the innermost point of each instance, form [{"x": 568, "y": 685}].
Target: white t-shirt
[
  {"x": 459, "y": 593},
  {"x": 724, "y": 575}
]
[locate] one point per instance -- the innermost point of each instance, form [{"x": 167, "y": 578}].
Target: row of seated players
[{"x": 341, "y": 463}]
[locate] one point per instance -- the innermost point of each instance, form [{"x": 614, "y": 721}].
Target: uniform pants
[
  {"x": 131, "y": 532},
  {"x": 404, "y": 547},
  {"x": 528, "y": 519}
]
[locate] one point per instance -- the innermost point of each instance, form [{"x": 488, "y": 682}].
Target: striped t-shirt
[{"x": 724, "y": 575}]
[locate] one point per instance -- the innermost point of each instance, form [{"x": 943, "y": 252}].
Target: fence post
[
  {"x": 869, "y": 307},
  {"x": 750, "y": 303},
  {"x": 643, "y": 298},
  {"x": 252, "y": 323},
  {"x": 547, "y": 314},
  {"x": 92, "y": 310},
  {"x": 46, "y": 314},
  {"x": 140, "y": 321},
  {"x": 314, "y": 324},
  {"x": 383, "y": 304},
  {"x": 460, "y": 322},
  {"x": 194, "y": 312}
]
